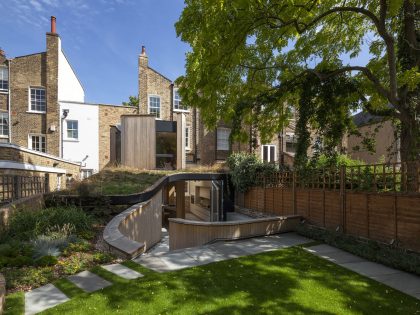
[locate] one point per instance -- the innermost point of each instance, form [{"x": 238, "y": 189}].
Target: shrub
[
  {"x": 78, "y": 246},
  {"x": 26, "y": 225},
  {"x": 101, "y": 258},
  {"x": 244, "y": 169},
  {"x": 46, "y": 261}
]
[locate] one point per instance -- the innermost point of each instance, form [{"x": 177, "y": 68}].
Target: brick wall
[
  {"x": 53, "y": 109},
  {"x": 26, "y": 71},
  {"x": 109, "y": 116},
  {"x": 16, "y": 154}
]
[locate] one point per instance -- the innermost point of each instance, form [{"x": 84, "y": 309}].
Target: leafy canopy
[{"x": 248, "y": 57}]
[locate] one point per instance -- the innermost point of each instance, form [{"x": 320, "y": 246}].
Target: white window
[
  {"x": 37, "y": 143},
  {"x": 269, "y": 153},
  {"x": 38, "y": 101},
  {"x": 223, "y": 139},
  {"x": 4, "y": 78},
  {"x": 188, "y": 137},
  {"x": 72, "y": 129},
  {"x": 178, "y": 106},
  {"x": 4, "y": 124},
  {"x": 86, "y": 173},
  {"x": 291, "y": 142},
  {"x": 154, "y": 105}
]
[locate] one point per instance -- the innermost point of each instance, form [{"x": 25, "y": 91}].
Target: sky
[{"x": 101, "y": 38}]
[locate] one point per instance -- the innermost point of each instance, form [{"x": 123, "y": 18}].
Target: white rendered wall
[
  {"x": 88, "y": 140},
  {"x": 69, "y": 87}
]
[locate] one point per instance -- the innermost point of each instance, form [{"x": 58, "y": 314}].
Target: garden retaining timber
[
  {"x": 2, "y": 292},
  {"x": 186, "y": 233}
]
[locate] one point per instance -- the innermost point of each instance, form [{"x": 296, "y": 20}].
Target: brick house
[
  {"x": 43, "y": 108},
  {"x": 382, "y": 131}
]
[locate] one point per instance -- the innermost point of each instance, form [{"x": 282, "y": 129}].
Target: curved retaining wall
[
  {"x": 138, "y": 228},
  {"x": 186, "y": 233}
]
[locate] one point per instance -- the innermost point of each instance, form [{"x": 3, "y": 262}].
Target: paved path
[
  {"x": 162, "y": 260},
  {"x": 43, "y": 298},
  {"x": 400, "y": 280}
]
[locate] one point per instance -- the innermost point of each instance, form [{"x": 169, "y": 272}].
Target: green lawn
[{"x": 288, "y": 281}]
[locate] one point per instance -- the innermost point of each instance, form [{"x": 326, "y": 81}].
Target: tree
[
  {"x": 259, "y": 52},
  {"x": 132, "y": 101}
]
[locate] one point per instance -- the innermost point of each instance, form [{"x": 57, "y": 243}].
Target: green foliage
[
  {"x": 132, "y": 101},
  {"x": 244, "y": 169},
  {"x": 15, "y": 304},
  {"x": 78, "y": 246},
  {"x": 48, "y": 260},
  {"x": 26, "y": 225},
  {"x": 248, "y": 59}
]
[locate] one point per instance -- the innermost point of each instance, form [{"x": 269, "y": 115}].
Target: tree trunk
[{"x": 410, "y": 150}]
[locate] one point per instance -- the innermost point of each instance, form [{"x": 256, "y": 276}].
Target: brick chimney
[
  {"x": 142, "y": 80},
  {"x": 52, "y": 117},
  {"x": 53, "y": 25}
]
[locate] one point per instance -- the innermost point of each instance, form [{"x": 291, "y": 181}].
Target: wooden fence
[
  {"x": 337, "y": 202},
  {"x": 13, "y": 187}
]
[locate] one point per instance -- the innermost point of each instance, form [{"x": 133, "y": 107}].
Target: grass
[
  {"x": 124, "y": 180},
  {"x": 15, "y": 304},
  {"x": 289, "y": 281}
]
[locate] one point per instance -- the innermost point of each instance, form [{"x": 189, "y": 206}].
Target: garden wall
[
  {"x": 385, "y": 217},
  {"x": 32, "y": 203}
]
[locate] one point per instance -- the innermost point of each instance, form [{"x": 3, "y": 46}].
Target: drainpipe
[{"x": 9, "y": 102}]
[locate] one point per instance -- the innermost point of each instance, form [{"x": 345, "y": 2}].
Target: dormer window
[
  {"x": 4, "y": 78},
  {"x": 178, "y": 106}
]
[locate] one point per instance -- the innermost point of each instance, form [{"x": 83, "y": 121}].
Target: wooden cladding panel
[
  {"x": 287, "y": 201},
  {"x": 408, "y": 221},
  {"x": 356, "y": 209},
  {"x": 260, "y": 199},
  {"x": 138, "y": 141},
  {"x": 333, "y": 212},
  {"x": 184, "y": 234},
  {"x": 380, "y": 217},
  {"x": 278, "y": 206}
]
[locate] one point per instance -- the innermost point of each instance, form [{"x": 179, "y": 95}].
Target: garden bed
[{"x": 40, "y": 247}]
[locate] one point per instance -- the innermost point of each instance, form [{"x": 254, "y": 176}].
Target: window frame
[
  {"x": 183, "y": 109},
  {"x": 269, "y": 156},
  {"x": 227, "y": 140},
  {"x": 67, "y": 129},
  {"x": 30, "y": 110},
  {"x": 2, "y": 68},
  {"x": 160, "y": 105},
  {"x": 187, "y": 135},
  {"x": 4, "y": 126},
  {"x": 40, "y": 136}
]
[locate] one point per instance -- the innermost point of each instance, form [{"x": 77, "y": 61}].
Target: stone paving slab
[
  {"x": 333, "y": 254},
  {"x": 402, "y": 281},
  {"x": 43, "y": 298},
  {"x": 229, "y": 249},
  {"x": 204, "y": 255},
  {"x": 123, "y": 271},
  {"x": 152, "y": 262},
  {"x": 89, "y": 281},
  {"x": 179, "y": 260}
]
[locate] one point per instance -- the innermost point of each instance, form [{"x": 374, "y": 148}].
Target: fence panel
[{"x": 13, "y": 187}]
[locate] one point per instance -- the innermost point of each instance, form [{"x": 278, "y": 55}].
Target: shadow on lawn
[{"x": 281, "y": 282}]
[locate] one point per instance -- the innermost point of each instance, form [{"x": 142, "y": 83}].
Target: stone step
[
  {"x": 122, "y": 271},
  {"x": 43, "y": 298},
  {"x": 88, "y": 281}
]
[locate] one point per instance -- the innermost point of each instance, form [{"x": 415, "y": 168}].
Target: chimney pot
[
  {"x": 53, "y": 25},
  {"x": 143, "y": 50}
]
